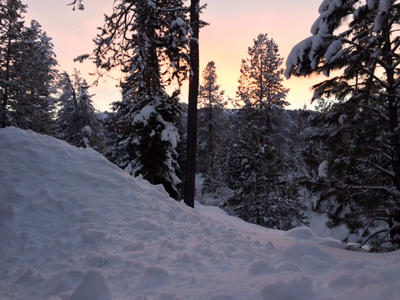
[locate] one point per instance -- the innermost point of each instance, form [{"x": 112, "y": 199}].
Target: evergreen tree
[
  {"x": 77, "y": 120},
  {"x": 67, "y": 102},
  {"x": 110, "y": 133},
  {"x": 210, "y": 115},
  {"x": 260, "y": 82},
  {"x": 34, "y": 103},
  {"x": 11, "y": 27},
  {"x": 149, "y": 39},
  {"x": 338, "y": 153},
  {"x": 261, "y": 195},
  {"x": 27, "y": 71},
  {"x": 365, "y": 55}
]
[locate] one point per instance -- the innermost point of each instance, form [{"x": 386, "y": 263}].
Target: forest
[{"x": 250, "y": 155}]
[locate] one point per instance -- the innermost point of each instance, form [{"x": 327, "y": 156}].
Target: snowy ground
[{"x": 73, "y": 226}]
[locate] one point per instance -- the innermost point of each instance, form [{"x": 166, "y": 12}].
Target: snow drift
[{"x": 75, "y": 227}]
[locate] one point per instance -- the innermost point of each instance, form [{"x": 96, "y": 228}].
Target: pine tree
[
  {"x": 211, "y": 101},
  {"x": 364, "y": 53},
  {"x": 260, "y": 82},
  {"x": 149, "y": 40},
  {"x": 78, "y": 123},
  {"x": 67, "y": 102},
  {"x": 261, "y": 195},
  {"x": 27, "y": 71},
  {"x": 11, "y": 26},
  {"x": 34, "y": 103}
]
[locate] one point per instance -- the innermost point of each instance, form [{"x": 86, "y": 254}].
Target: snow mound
[{"x": 73, "y": 226}]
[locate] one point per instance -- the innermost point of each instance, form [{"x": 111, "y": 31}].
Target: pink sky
[{"x": 233, "y": 26}]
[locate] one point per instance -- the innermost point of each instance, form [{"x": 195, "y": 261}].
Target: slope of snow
[{"x": 75, "y": 227}]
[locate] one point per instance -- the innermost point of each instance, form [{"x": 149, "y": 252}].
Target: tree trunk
[{"x": 192, "y": 109}]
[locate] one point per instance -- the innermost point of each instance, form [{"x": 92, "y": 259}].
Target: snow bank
[{"x": 73, "y": 226}]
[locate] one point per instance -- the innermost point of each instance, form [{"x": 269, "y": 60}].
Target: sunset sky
[{"x": 233, "y": 26}]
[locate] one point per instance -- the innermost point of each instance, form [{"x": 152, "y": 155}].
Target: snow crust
[{"x": 73, "y": 226}]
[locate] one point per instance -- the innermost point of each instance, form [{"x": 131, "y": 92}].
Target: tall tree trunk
[{"x": 192, "y": 109}]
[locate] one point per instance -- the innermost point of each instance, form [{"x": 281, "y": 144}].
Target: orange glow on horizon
[
  {"x": 233, "y": 26},
  {"x": 232, "y": 31}
]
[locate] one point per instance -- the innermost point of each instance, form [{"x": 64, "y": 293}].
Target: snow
[
  {"x": 178, "y": 22},
  {"x": 73, "y": 226},
  {"x": 323, "y": 169},
  {"x": 151, "y": 4},
  {"x": 371, "y": 4},
  {"x": 297, "y": 55},
  {"x": 170, "y": 133},
  {"x": 385, "y": 5},
  {"x": 383, "y": 9},
  {"x": 378, "y": 22},
  {"x": 87, "y": 130},
  {"x": 93, "y": 286},
  {"x": 308, "y": 51},
  {"x": 342, "y": 119},
  {"x": 332, "y": 50},
  {"x": 144, "y": 115}
]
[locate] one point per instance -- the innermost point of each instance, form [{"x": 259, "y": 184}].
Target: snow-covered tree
[
  {"x": 210, "y": 119},
  {"x": 67, "y": 102},
  {"x": 27, "y": 70},
  {"x": 34, "y": 103},
  {"x": 359, "y": 41},
  {"x": 337, "y": 155},
  {"x": 78, "y": 123},
  {"x": 11, "y": 26},
  {"x": 149, "y": 40},
  {"x": 261, "y": 195}
]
